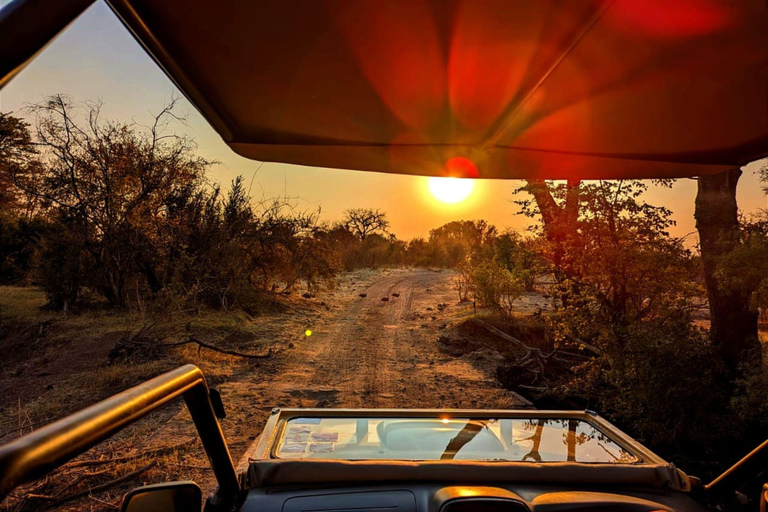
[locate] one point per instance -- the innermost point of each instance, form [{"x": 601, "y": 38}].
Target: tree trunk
[
  {"x": 571, "y": 441},
  {"x": 733, "y": 323},
  {"x": 560, "y": 226}
]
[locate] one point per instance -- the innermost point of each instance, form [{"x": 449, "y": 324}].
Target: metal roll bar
[
  {"x": 734, "y": 477},
  {"x": 35, "y": 454}
]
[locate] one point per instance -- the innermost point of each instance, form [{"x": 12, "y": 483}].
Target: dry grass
[
  {"x": 56, "y": 364},
  {"x": 21, "y": 303}
]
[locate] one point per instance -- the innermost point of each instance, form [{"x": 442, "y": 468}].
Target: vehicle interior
[
  {"x": 381, "y": 459},
  {"x": 593, "y": 89}
]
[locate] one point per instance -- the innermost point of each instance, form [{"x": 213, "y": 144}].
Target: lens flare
[
  {"x": 451, "y": 190},
  {"x": 308, "y": 333}
]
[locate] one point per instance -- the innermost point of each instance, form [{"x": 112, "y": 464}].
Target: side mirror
[{"x": 167, "y": 497}]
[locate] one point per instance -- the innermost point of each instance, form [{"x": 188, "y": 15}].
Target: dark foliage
[
  {"x": 125, "y": 211},
  {"x": 624, "y": 285}
]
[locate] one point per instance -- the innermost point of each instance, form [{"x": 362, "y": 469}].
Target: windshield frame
[{"x": 273, "y": 431}]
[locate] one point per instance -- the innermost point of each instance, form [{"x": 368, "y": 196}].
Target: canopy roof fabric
[{"x": 571, "y": 89}]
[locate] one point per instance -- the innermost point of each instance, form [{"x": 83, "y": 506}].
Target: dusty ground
[
  {"x": 363, "y": 352},
  {"x": 375, "y": 353}
]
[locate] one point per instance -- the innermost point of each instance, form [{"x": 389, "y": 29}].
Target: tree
[
  {"x": 317, "y": 261},
  {"x": 362, "y": 222},
  {"x": 457, "y": 241},
  {"x": 417, "y": 252},
  {"x": 733, "y": 319},
  {"x": 616, "y": 264},
  {"x": 345, "y": 243},
  {"x": 114, "y": 181},
  {"x": 518, "y": 255},
  {"x": 20, "y": 231},
  {"x": 18, "y": 156},
  {"x": 130, "y": 214},
  {"x": 559, "y": 220}
]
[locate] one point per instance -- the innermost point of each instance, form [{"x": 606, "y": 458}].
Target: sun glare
[{"x": 451, "y": 190}]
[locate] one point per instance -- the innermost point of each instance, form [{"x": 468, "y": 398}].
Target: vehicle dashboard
[
  {"x": 324, "y": 460},
  {"x": 449, "y": 497}
]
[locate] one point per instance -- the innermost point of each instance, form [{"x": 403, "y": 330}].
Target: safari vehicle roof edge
[{"x": 296, "y": 104}]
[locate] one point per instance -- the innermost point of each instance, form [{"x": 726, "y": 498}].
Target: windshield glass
[{"x": 520, "y": 440}]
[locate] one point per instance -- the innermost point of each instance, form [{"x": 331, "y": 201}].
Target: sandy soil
[{"x": 371, "y": 352}]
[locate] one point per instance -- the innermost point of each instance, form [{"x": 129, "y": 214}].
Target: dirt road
[{"x": 370, "y": 352}]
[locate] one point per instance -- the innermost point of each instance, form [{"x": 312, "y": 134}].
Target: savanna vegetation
[
  {"x": 120, "y": 215},
  {"x": 109, "y": 215}
]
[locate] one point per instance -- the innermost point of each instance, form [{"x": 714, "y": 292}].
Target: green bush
[
  {"x": 60, "y": 269},
  {"x": 667, "y": 390},
  {"x": 496, "y": 287},
  {"x": 19, "y": 242}
]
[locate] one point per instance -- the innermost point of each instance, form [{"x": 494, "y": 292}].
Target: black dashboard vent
[
  {"x": 366, "y": 501},
  {"x": 484, "y": 505}
]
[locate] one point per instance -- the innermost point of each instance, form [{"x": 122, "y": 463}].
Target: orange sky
[{"x": 96, "y": 58}]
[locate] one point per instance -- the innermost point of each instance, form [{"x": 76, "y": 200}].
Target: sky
[{"x": 96, "y": 58}]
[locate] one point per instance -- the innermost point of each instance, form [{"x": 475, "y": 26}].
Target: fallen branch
[
  {"x": 534, "y": 370},
  {"x": 70, "y": 485},
  {"x": 503, "y": 335},
  {"x": 235, "y": 353},
  {"x": 587, "y": 346},
  {"x": 530, "y": 352},
  {"x": 100, "y": 487},
  {"x": 532, "y": 388},
  {"x": 125, "y": 458},
  {"x": 148, "y": 343},
  {"x": 105, "y": 503},
  {"x": 40, "y": 496}
]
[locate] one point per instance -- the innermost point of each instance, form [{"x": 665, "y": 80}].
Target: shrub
[
  {"x": 60, "y": 269},
  {"x": 19, "y": 242},
  {"x": 666, "y": 388},
  {"x": 462, "y": 281},
  {"x": 495, "y": 286}
]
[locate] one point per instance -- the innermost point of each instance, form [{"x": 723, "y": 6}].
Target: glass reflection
[{"x": 521, "y": 439}]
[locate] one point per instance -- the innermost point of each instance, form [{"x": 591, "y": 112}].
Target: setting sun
[{"x": 451, "y": 190}]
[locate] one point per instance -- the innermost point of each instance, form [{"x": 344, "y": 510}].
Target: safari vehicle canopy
[
  {"x": 483, "y": 88},
  {"x": 531, "y": 89}
]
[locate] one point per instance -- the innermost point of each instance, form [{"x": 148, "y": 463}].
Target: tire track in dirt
[
  {"x": 365, "y": 352},
  {"x": 377, "y": 353},
  {"x": 357, "y": 358}
]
